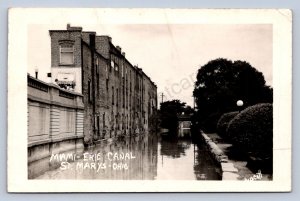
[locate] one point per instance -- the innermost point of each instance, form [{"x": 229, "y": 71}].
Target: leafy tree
[
  {"x": 169, "y": 111},
  {"x": 220, "y": 83},
  {"x": 188, "y": 110}
]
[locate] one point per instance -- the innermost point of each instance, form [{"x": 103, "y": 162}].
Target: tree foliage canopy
[
  {"x": 221, "y": 82},
  {"x": 169, "y": 111}
]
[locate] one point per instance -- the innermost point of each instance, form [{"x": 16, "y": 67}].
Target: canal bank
[{"x": 231, "y": 169}]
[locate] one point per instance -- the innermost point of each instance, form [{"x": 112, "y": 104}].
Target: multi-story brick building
[{"x": 119, "y": 98}]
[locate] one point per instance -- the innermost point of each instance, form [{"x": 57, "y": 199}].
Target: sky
[{"x": 170, "y": 54}]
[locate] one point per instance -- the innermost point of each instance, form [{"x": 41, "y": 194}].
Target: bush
[
  {"x": 210, "y": 123},
  {"x": 252, "y": 130},
  {"x": 224, "y": 121}
]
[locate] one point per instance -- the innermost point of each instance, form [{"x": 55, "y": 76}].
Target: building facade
[{"x": 119, "y": 98}]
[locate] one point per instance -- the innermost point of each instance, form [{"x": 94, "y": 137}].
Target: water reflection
[
  {"x": 205, "y": 167},
  {"x": 174, "y": 147},
  {"x": 148, "y": 158},
  {"x": 180, "y": 159}
]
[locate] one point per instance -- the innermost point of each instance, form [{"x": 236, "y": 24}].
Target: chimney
[
  {"x": 109, "y": 38},
  {"x": 36, "y": 70},
  {"x": 70, "y": 28},
  {"x": 92, "y": 40},
  {"x": 119, "y": 48},
  {"x": 123, "y": 53}
]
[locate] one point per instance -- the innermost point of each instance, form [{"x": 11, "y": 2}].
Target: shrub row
[
  {"x": 224, "y": 121},
  {"x": 250, "y": 131}
]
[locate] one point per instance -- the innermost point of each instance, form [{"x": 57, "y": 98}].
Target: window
[
  {"x": 117, "y": 101},
  {"x": 123, "y": 94},
  {"x": 90, "y": 90},
  {"x": 67, "y": 53},
  {"x": 112, "y": 64},
  {"x": 98, "y": 122},
  {"x": 98, "y": 84},
  {"x": 106, "y": 71},
  {"x": 97, "y": 65},
  {"x": 113, "y": 96},
  {"x": 106, "y": 84},
  {"x": 103, "y": 120},
  {"x": 127, "y": 121}
]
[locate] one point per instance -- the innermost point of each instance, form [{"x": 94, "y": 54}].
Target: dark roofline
[
  {"x": 111, "y": 44},
  {"x": 94, "y": 32},
  {"x": 64, "y": 31},
  {"x": 143, "y": 73}
]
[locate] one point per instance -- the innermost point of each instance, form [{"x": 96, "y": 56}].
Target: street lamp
[{"x": 240, "y": 104}]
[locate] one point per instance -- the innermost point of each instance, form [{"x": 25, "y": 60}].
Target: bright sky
[{"x": 169, "y": 54}]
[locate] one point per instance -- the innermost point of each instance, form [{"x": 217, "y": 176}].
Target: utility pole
[{"x": 162, "y": 97}]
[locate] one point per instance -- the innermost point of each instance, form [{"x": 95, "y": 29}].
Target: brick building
[{"x": 119, "y": 98}]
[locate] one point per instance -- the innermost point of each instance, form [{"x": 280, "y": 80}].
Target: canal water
[{"x": 145, "y": 157}]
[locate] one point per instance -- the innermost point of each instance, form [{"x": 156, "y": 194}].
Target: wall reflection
[
  {"x": 142, "y": 167},
  {"x": 154, "y": 158},
  {"x": 180, "y": 159}
]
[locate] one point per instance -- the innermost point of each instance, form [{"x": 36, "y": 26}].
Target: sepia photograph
[{"x": 150, "y": 97}]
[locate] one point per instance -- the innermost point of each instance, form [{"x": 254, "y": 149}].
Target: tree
[
  {"x": 169, "y": 111},
  {"x": 188, "y": 110},
  {"x": 220, "y": 83}
]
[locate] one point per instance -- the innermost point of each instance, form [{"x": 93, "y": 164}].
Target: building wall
[
  {"x": 74, "y": 71},
  {"x": 87, "y": 93},
  {"x": 55, "y": 117},
  {"x": 58, "y": 38},
  {"x": 103, "y": 46},
  {"x": 117, "y": 96}
]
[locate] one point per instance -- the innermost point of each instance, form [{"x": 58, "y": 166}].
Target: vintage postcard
[{"x": 149, "y": 100}]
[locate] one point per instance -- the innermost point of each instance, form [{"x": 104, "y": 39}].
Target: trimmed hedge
[
  {"x": 224, "y": 121},
  {"x": 252, "y": 130},
  {"x": 210, "y": 123}
]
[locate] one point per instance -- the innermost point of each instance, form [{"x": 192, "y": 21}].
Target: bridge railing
[{"x": 54, "y": 114}]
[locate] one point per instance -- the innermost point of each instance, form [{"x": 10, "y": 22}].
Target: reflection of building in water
[
  {"x": 174, "y": 147},
  {"x": 119, "y": 98},
  {"x": 142, "y": 167}
]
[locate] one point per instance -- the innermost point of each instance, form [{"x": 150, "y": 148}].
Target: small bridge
[{"x": 184, "y": 125}]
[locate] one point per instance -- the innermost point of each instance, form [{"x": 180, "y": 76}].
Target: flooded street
[{"x": 144, "y": 157}]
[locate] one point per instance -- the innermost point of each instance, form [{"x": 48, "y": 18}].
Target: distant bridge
[{"x": 184, "y": 125}]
